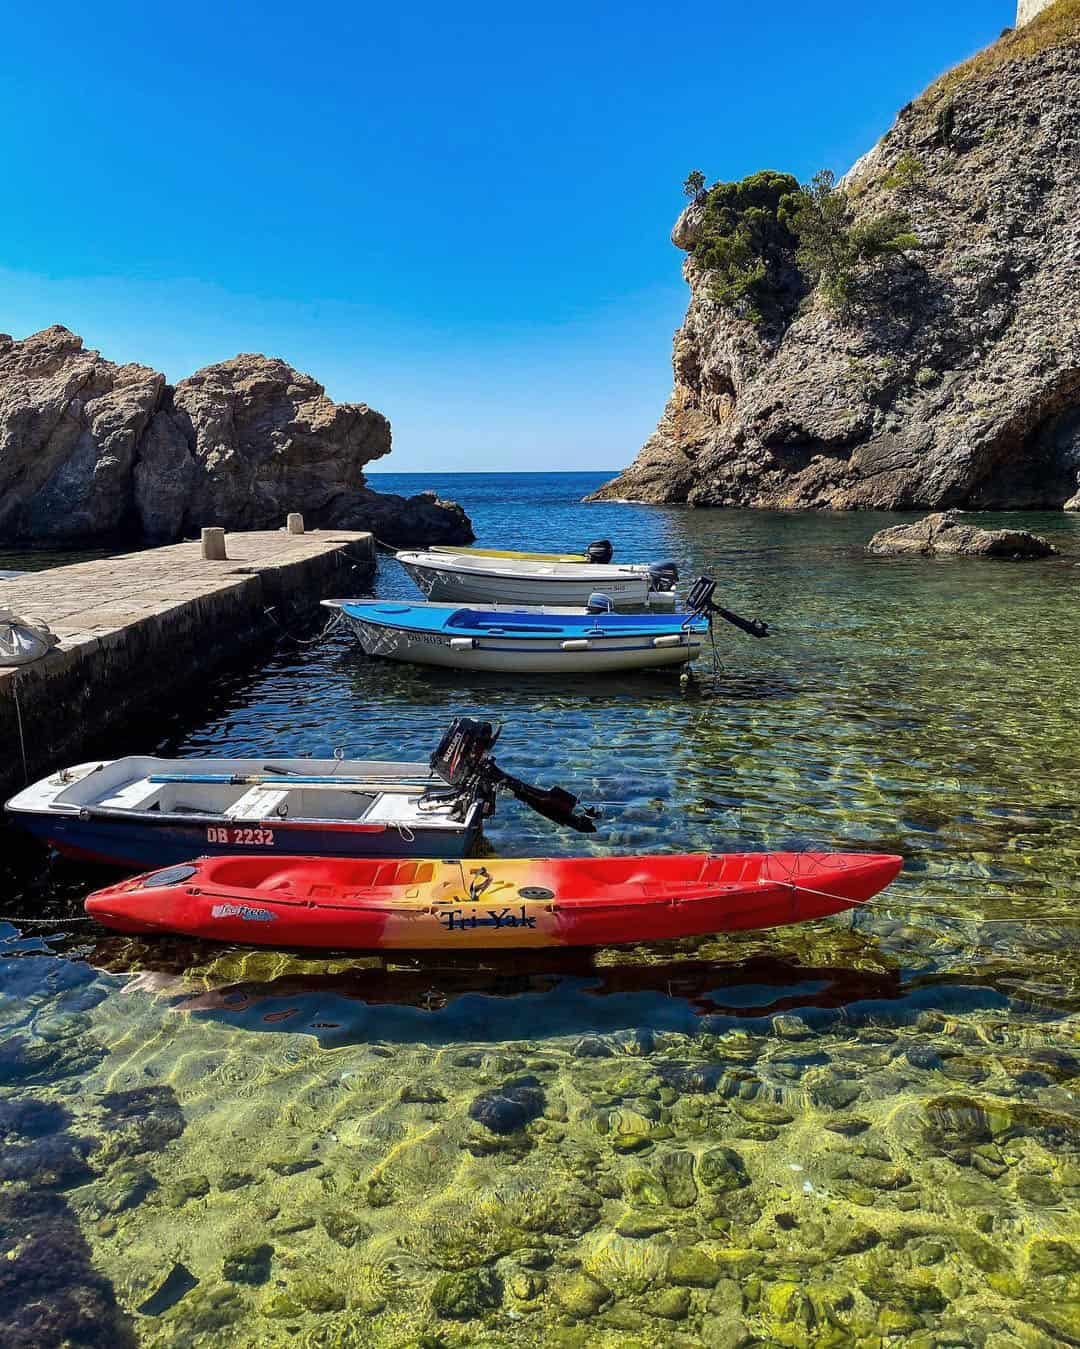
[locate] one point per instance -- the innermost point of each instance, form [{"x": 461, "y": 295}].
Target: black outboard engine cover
[
  {"x": 663, "y": 575},
  {"x": 599, "y": 604},
  {"x": 463, "y": 749},
  {"x": 463, "y": 759},
  {"x": 600, "y": 551}
]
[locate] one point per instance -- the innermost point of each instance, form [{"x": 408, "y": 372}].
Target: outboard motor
[
  {"x": 599, "y": 604},
  {"x": 600, "y": 551},
  {"x": 463, "y": 760},
  {"x": 663, "y": 575},
  {"x": 699, "y": 600}
]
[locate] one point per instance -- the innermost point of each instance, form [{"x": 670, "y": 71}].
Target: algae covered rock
[
  {"x": 186, "y": 1188},
  {"x": 344, "y": 1227},
  {"x": 673, "y": 1304},
  {"x": 467, "y": 1294},
  {"x": 691, "y": 1267},
  {"x": 581, "y": 1296},
  {"x": 316, "y": 1293},
  {"x": 50, "y": 1292},
  {"x": 1047, "y": 1257},
  {"x": 123, "y": 1188},
  {"x": 144, "y": 1119},
  {"x": 248, "y": 1264},
  {"x": 507, "y": 1109},
  {"x": 675, "y": 1173},
  {"x": 721, "y": 1169}
]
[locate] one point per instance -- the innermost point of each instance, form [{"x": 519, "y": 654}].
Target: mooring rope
[
  {"x": 22, "y": 738},
  {"x": 335, "y": 621},
  {"x": 44, "y": 922}
]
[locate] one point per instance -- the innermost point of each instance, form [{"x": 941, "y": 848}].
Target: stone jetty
[{"x": 138, "y": 630}]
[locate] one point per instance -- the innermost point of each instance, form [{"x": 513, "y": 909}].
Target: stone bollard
[
  {"x": 294, "y": 522},
  {"x": 213, "y": 544}
]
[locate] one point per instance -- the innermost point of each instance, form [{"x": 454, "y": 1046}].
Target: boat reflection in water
[{"x": 528, "y": 995}]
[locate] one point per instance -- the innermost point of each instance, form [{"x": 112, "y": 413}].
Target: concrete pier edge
[{"x": 143, "y": 627}]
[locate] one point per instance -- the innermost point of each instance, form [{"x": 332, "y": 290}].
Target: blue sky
[{"x": 460, "y": 216}]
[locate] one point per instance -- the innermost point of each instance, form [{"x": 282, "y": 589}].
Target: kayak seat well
[{"x": 303, "y": 876}]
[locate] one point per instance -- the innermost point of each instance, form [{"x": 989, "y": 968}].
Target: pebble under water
[{"x": 858, "y": 1132}]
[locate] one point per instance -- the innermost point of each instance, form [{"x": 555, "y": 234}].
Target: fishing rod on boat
[
  {"x": 699, "y": 601},
  {"x": 463, "y": 760}
]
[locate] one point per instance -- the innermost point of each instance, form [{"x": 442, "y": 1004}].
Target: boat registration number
[{"x": 258, "y": 838}]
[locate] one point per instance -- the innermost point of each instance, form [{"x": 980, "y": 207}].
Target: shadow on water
[{"x": 504, "y": 997}]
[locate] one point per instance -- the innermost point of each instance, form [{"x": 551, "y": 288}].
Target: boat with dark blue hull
[{"x": 143, "y": 811}]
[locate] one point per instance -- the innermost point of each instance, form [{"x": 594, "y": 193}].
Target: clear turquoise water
[{"x": 896, "y": 1095}]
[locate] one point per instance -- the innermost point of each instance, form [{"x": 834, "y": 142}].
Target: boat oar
[{"x": 390, "y": 787}]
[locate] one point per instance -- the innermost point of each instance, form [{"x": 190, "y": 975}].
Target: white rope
[
  {"x": 43, "y": 922},
  {"x": 335, "y": 621},
  {"x": 22, "y": 738}
]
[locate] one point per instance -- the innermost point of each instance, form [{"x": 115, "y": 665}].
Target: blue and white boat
[
  {"x": 530, "y": 640},
  {"x": 142, "y": 812}
]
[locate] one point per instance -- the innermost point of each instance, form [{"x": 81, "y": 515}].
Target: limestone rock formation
[
  {"x": 959, "y": 385},
  {"x": 947, "y": 533},
  {"x": 90, "y": 450}
]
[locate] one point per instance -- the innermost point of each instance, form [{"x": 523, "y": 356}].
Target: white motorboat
[
  {"x": 461, "y": 578},
  {"x": 144, "y": 811},
  {"x": 535, "y": 640}
]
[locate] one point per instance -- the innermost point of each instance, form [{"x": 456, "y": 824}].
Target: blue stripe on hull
[{"x": 149, "y": 846}]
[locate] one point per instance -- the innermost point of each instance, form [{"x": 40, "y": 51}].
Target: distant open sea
[{"x": 540, "y": 511}]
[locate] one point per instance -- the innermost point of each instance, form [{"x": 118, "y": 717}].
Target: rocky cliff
[
  {"x": 91, "y": 451},
  {"x": 957, "y": 382}
]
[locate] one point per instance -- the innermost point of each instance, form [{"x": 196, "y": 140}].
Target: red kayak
[{"x": 372, "y": 905}]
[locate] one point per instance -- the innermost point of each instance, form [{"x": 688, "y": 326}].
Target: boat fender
[
  {"x": 668, "y": 639},
  {"x": 577, "y": 644},
  {"x": 462, "y": 643},
  {"x": 599, "y": 604},
  {"x": 600, "y": 551}
]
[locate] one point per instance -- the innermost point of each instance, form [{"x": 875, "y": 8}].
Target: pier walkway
[{"x": 140, "y": 628}]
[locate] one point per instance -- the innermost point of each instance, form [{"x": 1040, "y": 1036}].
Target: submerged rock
[
  {"x": 248, "y": 1264},
  {"x": 466, "y": 1295},
  {"x": 948, "y": 534},
  {"x": 722, "y": 1169},
  {"x": 691, "y": 1267},
  {"x": 32, "y": 1118},
  {"x": 507, "y": 1109},
  {"x": 344, "y": 1227},
  {"x": 142, "y": 1120},
  {"x": 58, "y": 1160},
  {"x": 50, "y": 1292},
  {"x": 581, "y": 1296},
  {"x": 179, "y": 1192}
]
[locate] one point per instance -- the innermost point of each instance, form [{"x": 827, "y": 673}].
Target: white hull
[
  {"x": 625, "y": 589},
  {"x": 602, "y": 655}
]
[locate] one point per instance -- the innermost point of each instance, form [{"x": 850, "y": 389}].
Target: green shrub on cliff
[
  {"x": 765, "y": 241},
  {"x": 745, "y": 246},
  {"x": 694, "y": 186},
  {"x": 836, "y": 253}
]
